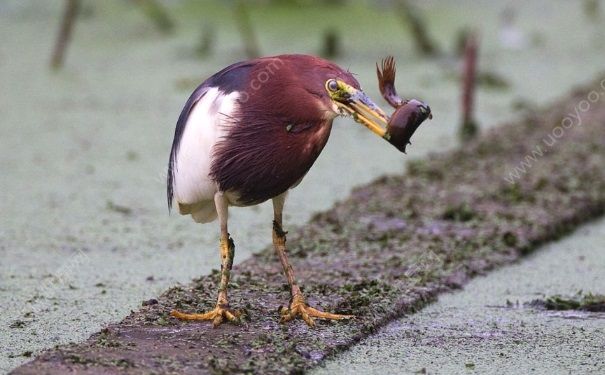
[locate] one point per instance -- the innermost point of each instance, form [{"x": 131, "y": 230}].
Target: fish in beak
[
  {"x": 404, "y": 122},
  {"x": 396, "y": 129}
]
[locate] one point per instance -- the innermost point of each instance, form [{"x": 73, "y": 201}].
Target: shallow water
[{"x": 78, "y": 143}]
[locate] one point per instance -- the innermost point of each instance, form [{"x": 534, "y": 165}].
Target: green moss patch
[{"x": 581, "y": 301}]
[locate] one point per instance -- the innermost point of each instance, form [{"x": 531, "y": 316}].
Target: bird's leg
[
  {"x": 298, "y": 305},
  {"x": 227, "y": 247}
]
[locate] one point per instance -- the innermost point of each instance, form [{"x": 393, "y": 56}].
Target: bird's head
[
  {"x": 334, "y": 91},
  {"x": 349, "y": 100}
]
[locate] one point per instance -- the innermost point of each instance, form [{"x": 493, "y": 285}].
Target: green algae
[
  {"x": 461, "y": 212},
  {"x": 581, "y": 301}
]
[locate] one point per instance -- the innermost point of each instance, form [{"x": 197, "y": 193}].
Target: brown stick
[
  {"x": 468, "y": 129},
  {"x": 67, "y": 24}
]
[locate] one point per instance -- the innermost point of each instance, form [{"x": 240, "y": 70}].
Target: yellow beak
[{"x": 357, "y": 104}]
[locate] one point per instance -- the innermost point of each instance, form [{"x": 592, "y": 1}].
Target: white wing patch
[{"x": 208, "y": 121}]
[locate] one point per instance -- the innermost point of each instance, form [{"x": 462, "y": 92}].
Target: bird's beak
[{"x": 356, "y": 103}]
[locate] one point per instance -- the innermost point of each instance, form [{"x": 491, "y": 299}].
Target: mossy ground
[
  {"x": 385, "y": 251},
  {"x": 581, "y": 301}
]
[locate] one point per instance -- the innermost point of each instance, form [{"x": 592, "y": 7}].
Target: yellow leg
[
  {"x": 298, "y": 305},
  {"x": 222, "y": 311}
]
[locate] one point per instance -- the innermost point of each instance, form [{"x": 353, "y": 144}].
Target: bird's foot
[
  {"x": 218, "y": 315},
  {"x": 298, "y": 307}
]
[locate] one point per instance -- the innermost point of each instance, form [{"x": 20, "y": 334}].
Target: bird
[{"x": 250, "y": 133}]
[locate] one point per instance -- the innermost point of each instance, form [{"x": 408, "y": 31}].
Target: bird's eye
[{"x": 332, "y": 85}]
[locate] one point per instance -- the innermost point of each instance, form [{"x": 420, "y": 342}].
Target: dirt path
[{"x": 387, "y": 250}]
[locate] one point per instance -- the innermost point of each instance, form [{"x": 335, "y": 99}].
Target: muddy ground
[{"x": 385, "y": 251}]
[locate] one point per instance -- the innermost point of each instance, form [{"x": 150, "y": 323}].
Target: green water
[{"x": 97, "y": 134}]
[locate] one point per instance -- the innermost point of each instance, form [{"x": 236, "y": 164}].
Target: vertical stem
[
  {"x": 468, "y": 88},
  {"x": 331, "y": 41},
  {"x": 410, "y": 15},
  {"x": 469, "y": 127},
  {"x": 158, "y": 14},
  {"x": 591, "y": 9},
  {"x": 242, "y": 19},
  {"x": 206, "y": 41},
  {"x": 65, "y": 31}
]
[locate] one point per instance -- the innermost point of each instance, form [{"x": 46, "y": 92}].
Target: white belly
[{"x": 208, "y": 121}]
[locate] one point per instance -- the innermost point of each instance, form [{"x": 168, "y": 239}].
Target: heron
[{"x": 249, "y": 134}]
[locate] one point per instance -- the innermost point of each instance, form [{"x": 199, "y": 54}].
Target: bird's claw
[
  {"x": 298, "y": 307},
  {"x": 217, "y": 315}
]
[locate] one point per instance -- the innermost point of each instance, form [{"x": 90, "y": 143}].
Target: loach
[{"x": 408, "y": 115}]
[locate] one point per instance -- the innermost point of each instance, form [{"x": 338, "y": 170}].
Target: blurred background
[{"x": 91, "y": 90}]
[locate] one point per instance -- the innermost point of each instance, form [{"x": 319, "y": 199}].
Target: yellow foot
[
  {"x": 298, "y": 307},
  {"x": 217, "y": 315}
]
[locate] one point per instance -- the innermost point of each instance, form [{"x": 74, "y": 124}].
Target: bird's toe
[
  {"x": 299, "y": 308},
  {"x": 218, "y": 315}
]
